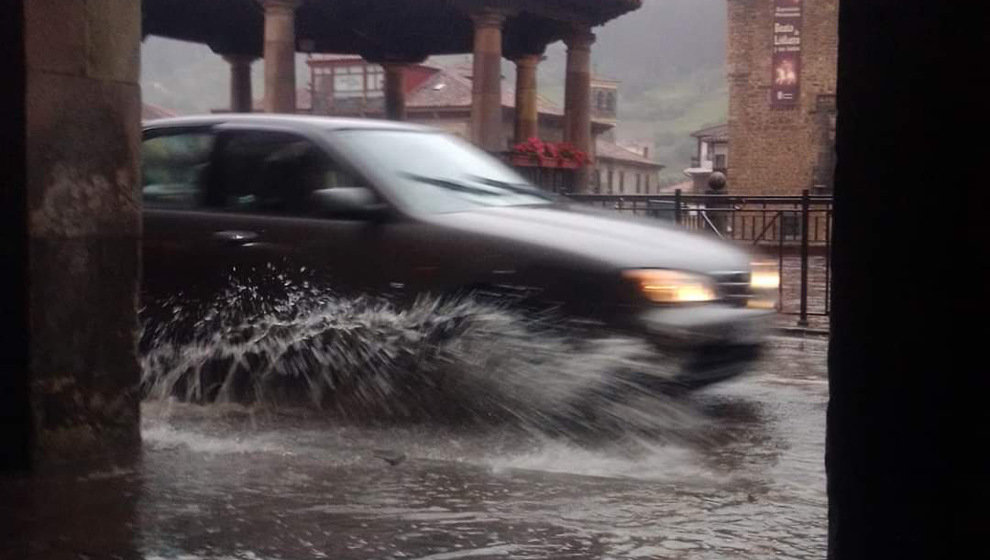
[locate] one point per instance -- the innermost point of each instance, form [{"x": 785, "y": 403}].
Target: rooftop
[
  {"x": 604, "y": 82},
  {"x": 718, "y": 133},
  {"x": 451, "y": 87},
  {"x": 383, "y": 29},
  {"x": 610, "y": 150}
]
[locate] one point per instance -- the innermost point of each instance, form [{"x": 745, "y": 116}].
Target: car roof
[{"x": 289, "y": 121}]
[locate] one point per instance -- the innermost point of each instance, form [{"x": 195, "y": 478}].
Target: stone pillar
[
  {"x": 527, "y": 112},
  {"x": 907, "y": 374},
  {"x": 241, "y": 99},
  {"x": 486, "y": 98},
  {"x": 70, "y": 227},
  {"x": 577, "y": 97},
  {"x": 280, "y": 55},
  {"x": 395, "y": 91}
]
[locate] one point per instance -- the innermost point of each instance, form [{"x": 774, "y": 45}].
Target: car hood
[{"x": 603, "y": 236}]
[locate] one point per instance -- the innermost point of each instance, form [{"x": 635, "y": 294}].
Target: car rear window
[{"x": 173, "y": 168}]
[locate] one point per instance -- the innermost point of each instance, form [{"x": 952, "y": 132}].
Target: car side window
[
  {"x": 173, "y": 167},
  {"x": 274, "y": 173}
]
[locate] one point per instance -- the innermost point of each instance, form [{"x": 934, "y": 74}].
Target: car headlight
[
  {"x": 672, "y": 286},
  {"x": 764, "y": 276},
  {"x": 764, "y": 282}
]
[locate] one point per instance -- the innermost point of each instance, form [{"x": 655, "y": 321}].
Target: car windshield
[{"x": 437, "y": 173}]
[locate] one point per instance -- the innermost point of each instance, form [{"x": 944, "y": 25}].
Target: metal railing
[{"x": 794, "y": 230}]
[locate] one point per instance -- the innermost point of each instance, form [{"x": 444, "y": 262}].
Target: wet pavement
[{"x": 741, "y": 475}]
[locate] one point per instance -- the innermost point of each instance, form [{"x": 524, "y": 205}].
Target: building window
[
  {"x": 611, "y": 103},
  {"x": 610, "y": 177},
  {"x": 601, "y": 100},
  {"x": 348, "y": 81},
  {"x": 719, "y": 161},
  {"x": 376, "y": 80},
  {"x": 637, "y": 183},
  {"x": 622, "y": 182}
]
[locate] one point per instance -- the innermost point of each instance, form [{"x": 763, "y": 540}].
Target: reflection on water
[{"x": 290, "y": 487}]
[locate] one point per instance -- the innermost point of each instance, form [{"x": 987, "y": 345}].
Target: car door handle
[{"x": 235, "y": 237}]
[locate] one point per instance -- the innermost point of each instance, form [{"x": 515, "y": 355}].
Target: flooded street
[
  {"x": 750, "y": 485},
  {"x": 741, "y": 476}
]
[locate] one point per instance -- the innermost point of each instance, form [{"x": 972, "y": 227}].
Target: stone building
[
  {"x": 604, "y": 103},
  {"x": 620, "y": 170},
  {"x": 436, "y": 96},
  {"x": 712, "y": 155},
  {"x": 441, "y": 98},
  {"x": 782, "y": 73}
]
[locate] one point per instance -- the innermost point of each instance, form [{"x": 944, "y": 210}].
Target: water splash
[{"x": 438, "y": 359}]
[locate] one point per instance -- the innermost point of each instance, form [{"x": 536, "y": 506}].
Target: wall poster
[{"x": 786, "y": 61}]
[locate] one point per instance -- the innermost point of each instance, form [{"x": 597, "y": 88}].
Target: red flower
[
  {"x": 569, "y": 152},
  {"x": 548, "y": 152}
]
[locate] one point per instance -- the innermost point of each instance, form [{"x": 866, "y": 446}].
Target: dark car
[{"x": 381, "y": 207}]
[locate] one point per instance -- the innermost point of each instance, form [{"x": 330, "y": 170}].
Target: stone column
[
  {"x": 527, "y": 112},
  {"x": 486, "y": 98},
  {"x": 395, "y": 91},
  {"x": 70, "y": 227},
  {"x": 280, "y": 55},
  {"x": 577, "y": 97},
  {"x": 241, "y": 98}
]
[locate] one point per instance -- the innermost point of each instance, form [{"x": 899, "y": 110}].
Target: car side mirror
[{"x": 359, "y": 203}]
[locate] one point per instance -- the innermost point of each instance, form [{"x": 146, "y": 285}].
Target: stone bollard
[{"x": 718, "y": 218}]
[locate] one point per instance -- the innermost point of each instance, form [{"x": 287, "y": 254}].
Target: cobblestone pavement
[{"x": 743, "y": 479}]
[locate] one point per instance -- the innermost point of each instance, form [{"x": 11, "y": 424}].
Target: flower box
[
  {"x": 524, "y": 160},
  {"x": 537, "y": 153}
]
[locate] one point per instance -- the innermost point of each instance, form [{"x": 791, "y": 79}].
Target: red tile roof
[
  {"x": 610, "y": 150},
  {"x": 718, "y": 133},
  {"x": 451, "y": 87}
]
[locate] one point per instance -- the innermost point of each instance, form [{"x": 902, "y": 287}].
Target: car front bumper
[{"x": 711, "y": 343}]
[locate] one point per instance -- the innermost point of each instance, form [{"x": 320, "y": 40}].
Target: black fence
[{"x": 796, "y": 231}]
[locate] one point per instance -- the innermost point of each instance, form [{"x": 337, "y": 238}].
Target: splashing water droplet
[{"x": 438, "y": 359}]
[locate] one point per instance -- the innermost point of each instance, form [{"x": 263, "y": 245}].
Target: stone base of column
[
  {"x": 582, "y": 179},
  {"x": 395, "y": 91}
]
